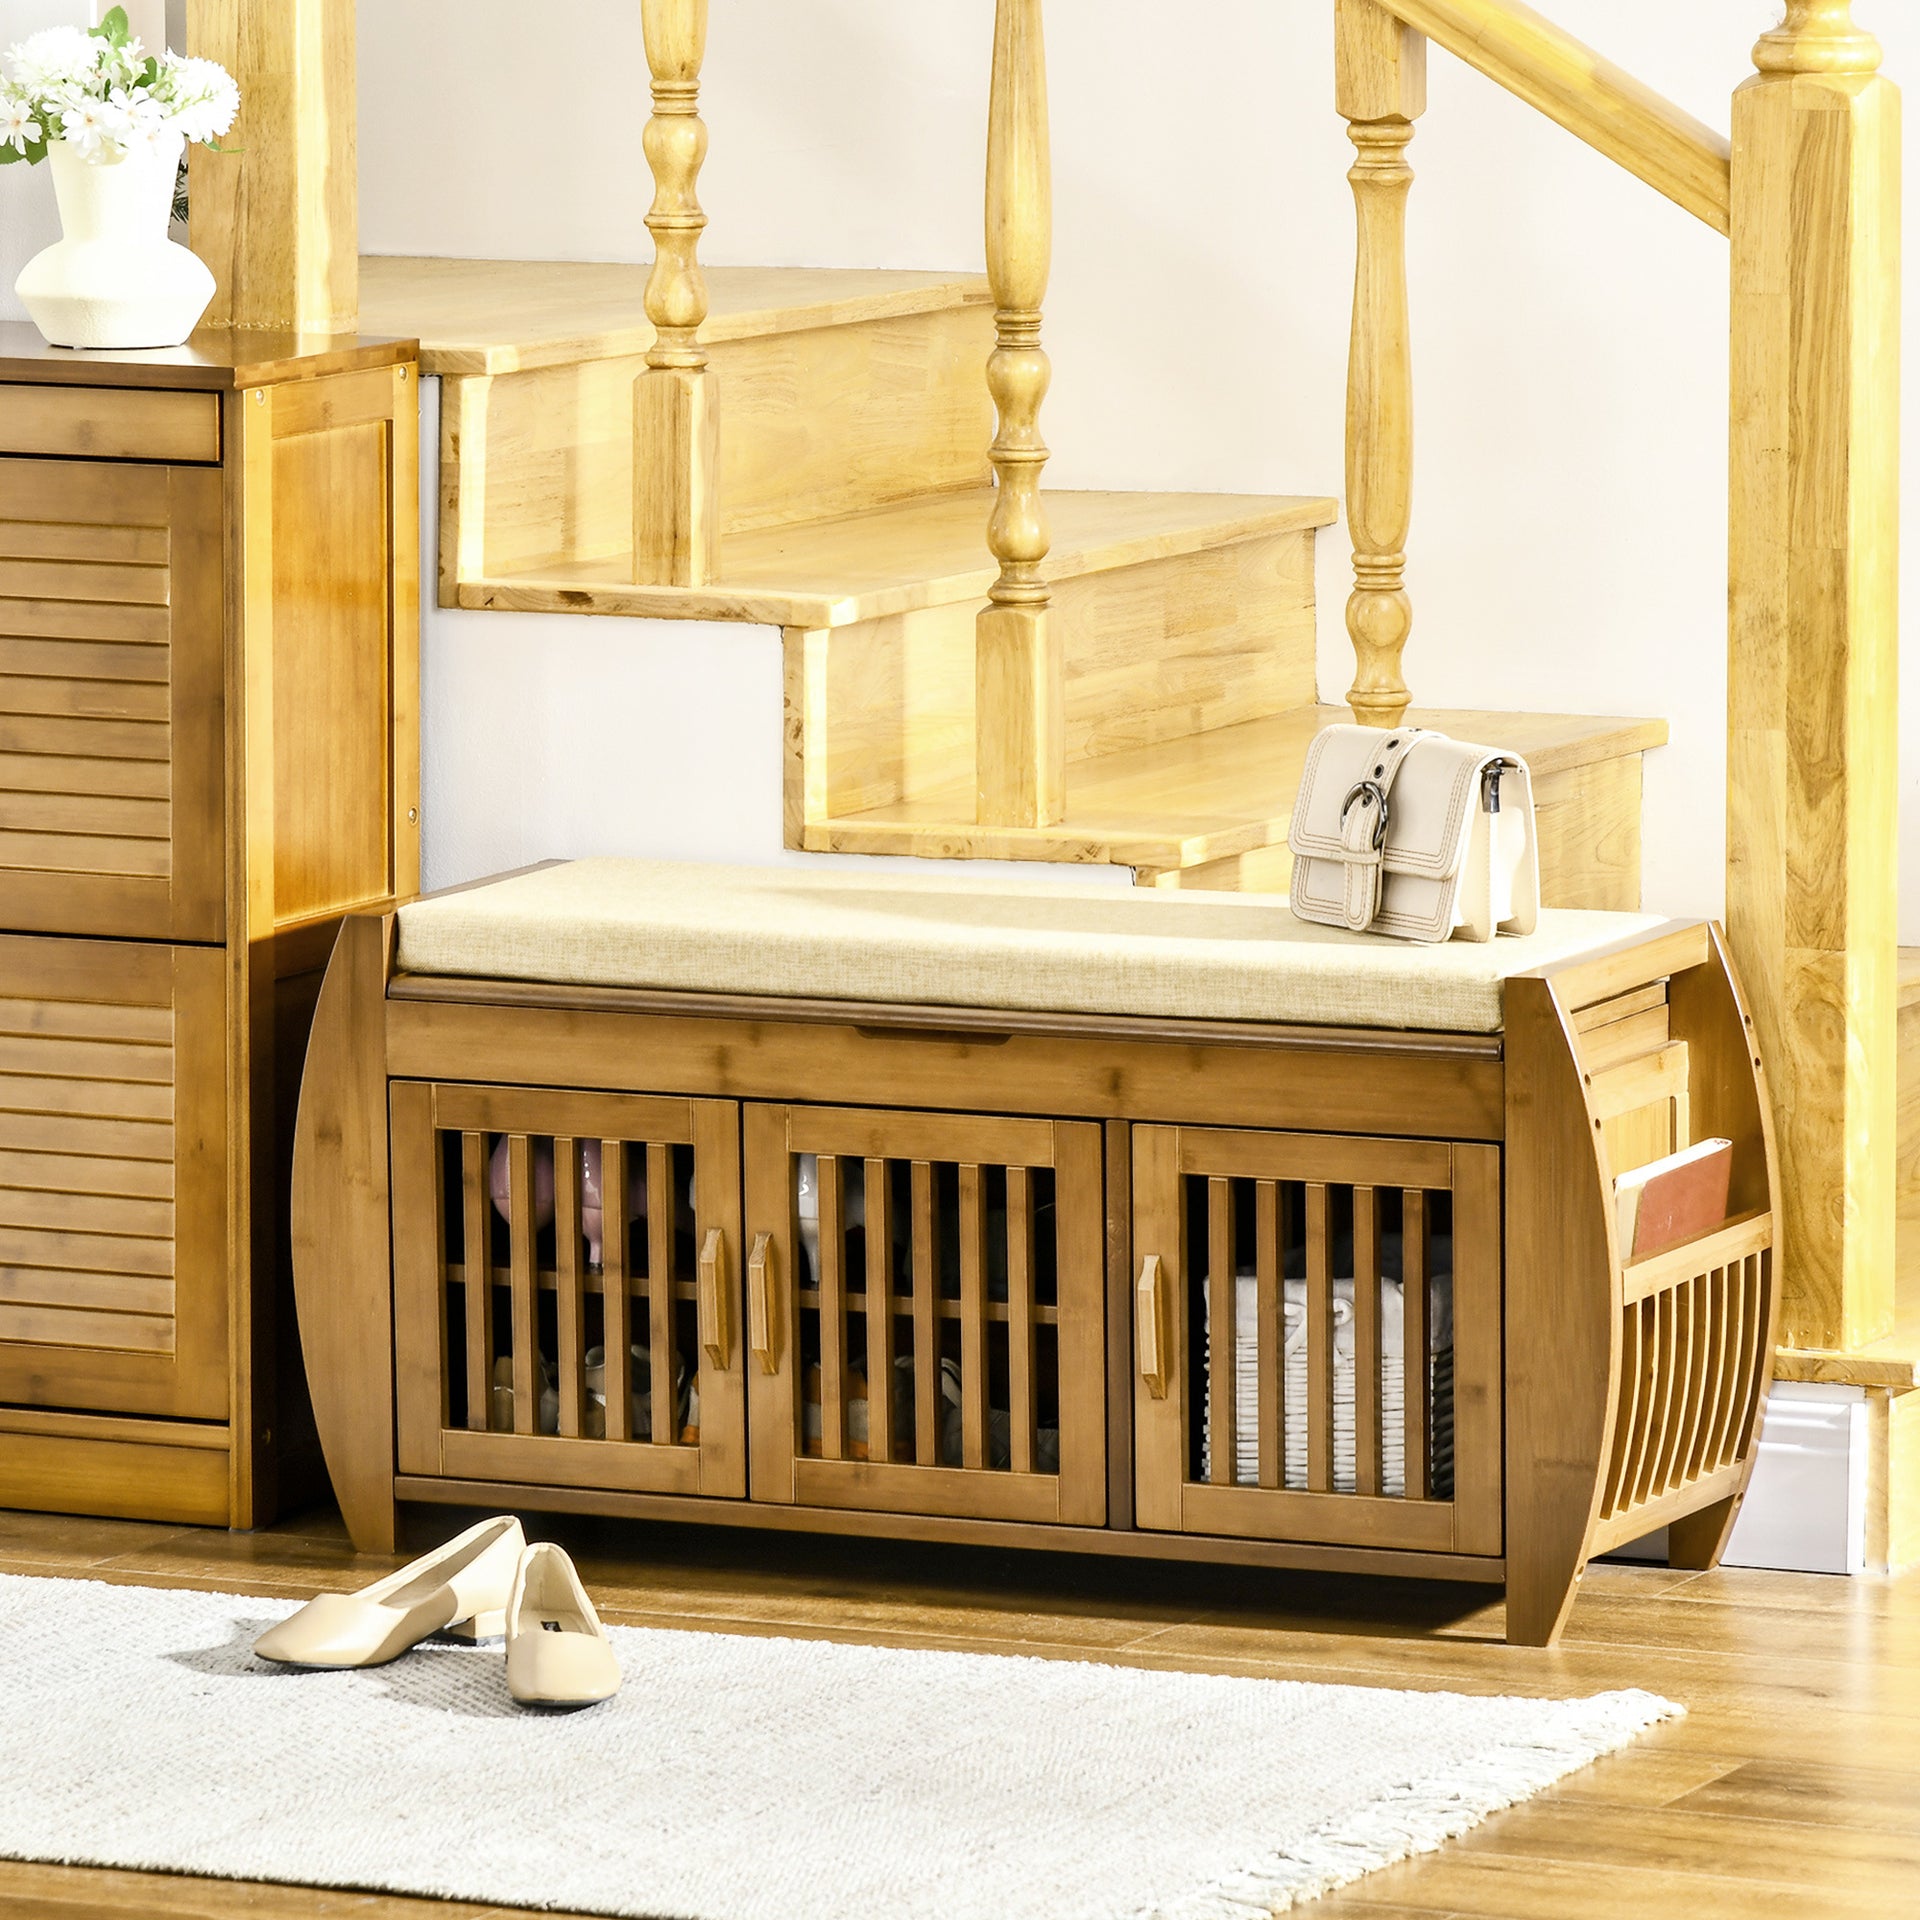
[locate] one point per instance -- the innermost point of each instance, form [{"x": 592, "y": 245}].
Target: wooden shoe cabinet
[{"x": 208, "y": 754}]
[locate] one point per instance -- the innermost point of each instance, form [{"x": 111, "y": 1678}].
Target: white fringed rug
[{"x": 737, "y": 1778}]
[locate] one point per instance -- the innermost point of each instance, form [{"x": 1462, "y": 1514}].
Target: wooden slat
[
  {"x": 66, "y": 773},
  {"x": 96, "y": 1212},
  {"x": 1366, "y": 1340},
  {"x": 87, "y": 1134},
  {"x": 1738, "y": 1238},
  {"x": 1753, "y": 1373},
  {"x": 831, "y": 1279},
  {"x": 111, "y": 582},
  {"x": 84, "y": 659},
  {"x": 1270, "y": 1332},
  {"x": 879, "y": 1305},
  {"x": 1319, "y": 1342},
  {"x": 65, "y": 490},
  {"x": 926, "y": 1324},
  {"x": 101, "y": 1292},
  {"x": 1604, "y": 1012},
  {"x": 87, "y": 1020},
  {"x": 662, "y": 1202},
  {"x": 86, "y": 620},
  {"x": 1221, "y": 1372},
  {"x": 68, "y": 699},
  {"x": 569, "y": 1335},
  {"x": 1623, "y": 1040},
  {"x": 1627, "y": 1416},
  {"x": 1660, "y": 1075},
  {"x": 857, "y": 1134},
  {"x": 1646, "y": 1478},
  {"x": 57, "y": 1057},
  {"x": 1417, "y": 1338},
  {"x": 616, "y": 1296},
  {"x": 526, "y": 1325},
  {"x": 87, "y": 1252},
  {"x": 126, "y": 423},
  {"x": 535, "y": 1108},
  {"x": 476, "y": 1227},
  {"x": 100, "y": 816},
  {"x": 85, "y": 853},
  {"x": 1021, "y": 1408},
  {"x": 72, "y": 1327},
  {"x": 103, "y": 1099},
  {"x": 1724, "y": 1440},
  {"x": 1679, "y": 1383},
  {"x": 1709, "y": 1361},
  {"x": 57, "y": 540},
  {"x": 973, "y": 1317},
  {"x": 84, "y": 739},
  {"x": 1331, "y": 1159},
  {"x": 86, "y": 1173}
]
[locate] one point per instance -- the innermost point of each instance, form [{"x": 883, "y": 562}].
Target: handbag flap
[{"x": 1429, "y": 807}]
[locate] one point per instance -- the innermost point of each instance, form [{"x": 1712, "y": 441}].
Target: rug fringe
[{"x": 1424, "y": 1815}]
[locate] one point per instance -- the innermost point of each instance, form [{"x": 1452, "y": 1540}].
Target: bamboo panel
[
  {"x": 84, "y": 739},
  {"x": 477, "y": 1232},
  {"x": 102, "y": 1292},
  {"x": 72, "y": 699},
  {"x": 86, "y": 1134},
  {"x": 87, "y": 1252},
  {"x": 86, "y": 620},
  {"x": 83, "y": 1173},
  {"x": 616, "y": 1296},
  {"x": 1416, "y": 1397},
  {"x": 1222, "y": 1327},
  {"x": 99, "y": 1332},
  {"x": 84, "y": 853},
  {"x": 87, "y": 1020},
  {"x": 99, "y": 816},
  {"x": 1319, "y": 1342},
  {"x": 93, "y": 1213},
  {"x": 100, "y": 1099},
  {"x": 1022, "y": 1407},
  {"x": 55, "y": 579},
  {"x": 926, "y": 1324},
  {"x": 1366, "y": 1341},
  {"x": 879, "y": 1310},
  {"x": 570, "y": 1337},
  {"x": 973, "y": 1318},
  {"x": 661, "y": 1204},
  {"x": 57, "y": 540},
  {"x": 101, "y": 779},
  {"x": 60, "y": 1057},
  {"x": 520, "y": 1287},
  {"x": 1270, "y": 1334},
  {"x": 85, "y": 659}
]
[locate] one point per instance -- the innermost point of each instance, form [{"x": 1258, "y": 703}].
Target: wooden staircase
[{"x": 854, "y": 496}]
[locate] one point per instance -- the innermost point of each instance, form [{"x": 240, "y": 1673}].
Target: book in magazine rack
[{"x": 1053, "y": 1212}]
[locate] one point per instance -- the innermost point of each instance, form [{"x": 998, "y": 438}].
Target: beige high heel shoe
[
  {"x": 463, "y": 1585},
  {"x": 558, "y": 1653}
]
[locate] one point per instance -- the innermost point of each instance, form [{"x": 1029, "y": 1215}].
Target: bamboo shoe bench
[{"x": 1037, "y": 1215}]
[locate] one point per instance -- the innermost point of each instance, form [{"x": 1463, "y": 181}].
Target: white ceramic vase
[{"x": 114, "y": 279}]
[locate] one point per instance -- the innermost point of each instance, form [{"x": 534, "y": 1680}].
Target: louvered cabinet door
[
  {"x": 113, "y": 1242},
  {"x": 111, "y": 699}
]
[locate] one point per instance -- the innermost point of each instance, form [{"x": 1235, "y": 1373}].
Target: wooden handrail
[
  {"x": 1592, "y": 98},
  {"x": 1019, "y": 724}
]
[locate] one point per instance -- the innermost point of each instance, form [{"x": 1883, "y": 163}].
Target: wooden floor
[{"x": 1792, "y": 1787}]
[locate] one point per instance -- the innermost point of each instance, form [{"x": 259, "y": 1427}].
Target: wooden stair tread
[
  {"x": 1209, "y": 796},
  {"x": 925, "y": 552},
  {"x": 506, "y": 316}
]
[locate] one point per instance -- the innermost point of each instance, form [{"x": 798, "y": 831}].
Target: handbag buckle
[{"x": 1368, "y": 790}]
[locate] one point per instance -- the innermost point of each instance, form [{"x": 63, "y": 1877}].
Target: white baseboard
[{"x": 1806, "y": 1511}]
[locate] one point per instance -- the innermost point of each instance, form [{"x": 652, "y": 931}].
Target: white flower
[
  {"x": 202, "y": 95},
  {"x": 18, "y": 128},
  {"x": 56, "y": 56},
  {"x": 95, "y": 127}
]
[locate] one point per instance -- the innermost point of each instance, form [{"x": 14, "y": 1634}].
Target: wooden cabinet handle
[
  {"x": 716, "y": 1300},
  {"x": 761, "y": 1331},
  {"x": 1149, "y": 1327}
]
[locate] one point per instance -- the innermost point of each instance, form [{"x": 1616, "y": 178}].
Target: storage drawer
[
  {"x": 958, "y": 1259},
  {"x": 545, "y": 1333},
  {"x": 109, "y": 423},
  {"x": 1317, "y": 1338},
  {"x": 112, "y": 699},
  {"x": 113, "y": 1177}
]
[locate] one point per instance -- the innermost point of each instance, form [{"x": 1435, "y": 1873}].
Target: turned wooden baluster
[
  {"x": 1019, "y": 730},
  {"x": 1381, "y": 87},
  {"x": 676, "y": 414}
]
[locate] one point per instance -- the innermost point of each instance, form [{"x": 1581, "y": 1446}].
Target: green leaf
[{"x": 115, "y": 29}]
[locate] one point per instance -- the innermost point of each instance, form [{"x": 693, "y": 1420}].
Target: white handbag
[{"x": 1403, "y": 831}]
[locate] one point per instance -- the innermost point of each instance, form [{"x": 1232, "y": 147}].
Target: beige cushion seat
[{"x": 1039, "y": 945}]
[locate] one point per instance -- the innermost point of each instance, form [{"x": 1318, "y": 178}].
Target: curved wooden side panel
[
  {"x": 1729, "y": 1093},
  {"x": 1562, "y": 1315},
  {"x": 342, "y": 1246}
]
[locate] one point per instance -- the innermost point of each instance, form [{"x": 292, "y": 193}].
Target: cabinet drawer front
[
  {"x": 538, "y": 1324},
  {"x": 113, "y": 1257},
  {"x": 109, "y": 423},
  {"x": 957, "y": 1258},
  {"x": 111, "y": 699},
  {"x": 1316, "y": 1330}
]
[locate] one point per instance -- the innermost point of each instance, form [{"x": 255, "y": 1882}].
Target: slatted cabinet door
[
  {"x": 113, "y": 1177},
  {"x": 112, "y": 667},
  {"x": 1317, "y": 1338},
  {"x": 924, "y": 1313},
  {"x": 545, "y": 1339}
]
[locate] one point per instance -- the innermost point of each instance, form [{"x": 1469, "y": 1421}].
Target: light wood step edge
[
  {"x": 1088, "y": 841},
  {"x": 594, "y": 588},
  {"x": 409, "y": 297}
]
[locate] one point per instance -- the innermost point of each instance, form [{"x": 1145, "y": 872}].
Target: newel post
[
  {"x": 1380, "y": 68},
  {"x": 1019, "y": 725},
  {"x": 1812, "y": 718},
  {"x": 676, "y": 406}
]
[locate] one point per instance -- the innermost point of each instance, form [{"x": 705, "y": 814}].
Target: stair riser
[
  {"x": 1589, "y": 823},
  {"x": 537, "y": 467},
  {"x": 882, "y": 711}
]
